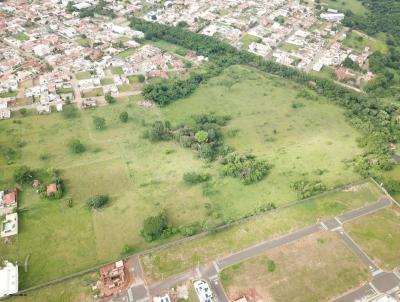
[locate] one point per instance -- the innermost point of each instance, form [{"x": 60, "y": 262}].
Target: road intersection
[{"x": 382, "y": 282}]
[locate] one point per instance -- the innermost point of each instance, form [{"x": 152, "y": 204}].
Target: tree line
[{"x": 377, "y": 121}]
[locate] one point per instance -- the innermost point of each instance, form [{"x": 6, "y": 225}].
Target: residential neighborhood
[{"x": 199, "y": 151}]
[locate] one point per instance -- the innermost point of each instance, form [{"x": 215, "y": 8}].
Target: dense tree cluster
[
  {"x": 308, "y": 188},
  {"x": 245, "y": 167},
  {"x": 164, "y": 92},
  {"x": 383, "y": 16},
  {"x": 377, "y": 121},
  {"x": 155, "y": 227}
]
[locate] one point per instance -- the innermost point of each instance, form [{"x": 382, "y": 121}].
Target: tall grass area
[
  {"x": 303, "y": 138},
  {"x": 184, "y": 256}
]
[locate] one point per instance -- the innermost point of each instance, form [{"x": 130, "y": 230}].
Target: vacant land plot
[
  {"x": 21, "y": 37},
  {"x": 106, "y": 81},
  {"x": 360, "y": 41},
  {"x": 74, "y": 290},
  {"x": 143, "y": 178},
  {"x": 247, "y": 40},
  {"x": 343, "y": 5},
  {"x": 83, "y": 75},
  {"x": 125, "y": 88},
  {"x": 184, "y": 256},
  {"x": 85, "y": 42},
  {"x": 271, "y": 121},
  {"x": 126, "y": 53},
  {"x": 316, "y": 268},
  {"x": 93, "y": 92},
  {"x": 288, "y": 47},
  {"x": 378, "y": 234},
  {"x": 117, "y": 70}
]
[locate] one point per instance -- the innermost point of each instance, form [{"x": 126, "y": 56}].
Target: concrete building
[
  {"x": 332, "y": 17},
  {"x": 203, "y": 291},
  {"x": 8, "y": 279},
  {"x": 9, "y": 227}
]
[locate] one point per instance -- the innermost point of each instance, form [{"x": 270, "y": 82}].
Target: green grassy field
[
  {"x": 247, "y": 40},
  {"x": 125, "y": 88},
  {"x": 184, "y": 256},
  {"x": 83, "y": 75},
  {"x": 21, "y": 37},
  {"x": 106, "y": 81},
  {"x": 378, "y": 235},
  {"x": 126, "y": 53},
  {"x": 288, "y": 47},
  {"x": 85, "y": 42},
  {"x": 74, "y": 290},
  {"x": 93, "y": 92},
  {"x": 299, "y": 142},
  {"x": 117, "y": 70},
  {"x": 316, "y": 268},
  {"x": 359, "y": 42},
  {"x": 143, "y": 178},
  {"x": 8, "y": 94},
  {"x": 343, "y": 5}
]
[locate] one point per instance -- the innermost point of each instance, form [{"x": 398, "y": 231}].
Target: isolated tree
[
  {"x": 76, "y": 146},
  {"x": 97, "y": 201},
  {"x": 109, "y": 98},
  {"x": 154, "y": 226},
  {"x": 123, "y": 116},
  {"x": 99, "y": 122}
]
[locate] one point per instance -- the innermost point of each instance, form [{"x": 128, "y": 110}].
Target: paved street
[
  {"x": 382, "y": 282},
  {"x": 267, "y": 245},
  {"x": 357, "y": 251},
  {"x": 380, "y": 204}
]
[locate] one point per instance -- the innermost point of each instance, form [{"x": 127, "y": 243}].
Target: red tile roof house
[
  {"x": 8, "y": 201},
  {"x": 51, "y": 188}
]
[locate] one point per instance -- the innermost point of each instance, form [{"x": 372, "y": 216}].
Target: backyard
[{"x": 269, "y": 119}]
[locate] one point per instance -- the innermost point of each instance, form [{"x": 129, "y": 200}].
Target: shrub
[
  {"x": 245, "y": 167},
  {"x": 192, "y": 178},
  {"x": 70, "y": 112},
  {"x": 70, "y": 202},
  {"x": 99, "y": 122},
  {"x": 141, "y": 78},
  {"x": 123, "y": 116},
  {"x": 306, "y": 188},
  {"x": 23, "y": 174},
  {"x": 201, "y": 136},
  {"x": 127, "y": 250},
  {"x": 187, "y": 231},
  {"x": 155, "y": 227},
  {"x": 97, "y": 201},
  {"x": 23, "y": 111},
  {"x": 271, "y": 266},
  {"x": 109, "y": 98},
  {"x": 76, "y": 146},
  {"x": 160, "y": 131}
]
